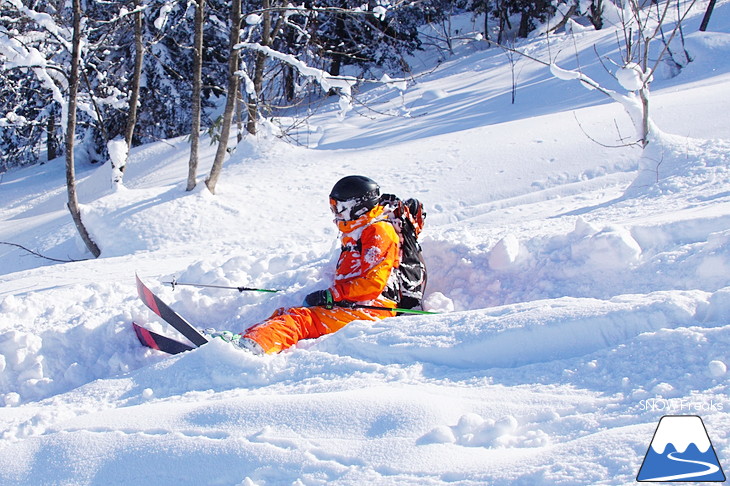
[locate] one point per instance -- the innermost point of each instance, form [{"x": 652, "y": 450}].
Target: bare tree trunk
[
  {"x": 136, "y": 78},
  {"x": 197, "y": 87},
  {"x": 50, "y": 136},
  {"x": 73, "y": 203},
  {"x": 220, "y": 154},
  {"x": 524, "y": 28},
  {"x": 289, "y": 83},
  {"x": 341, "y": 33},
  {"x": 571, "y": 11},
  {"x": 269, "y": 32},
  {"x": 645, "y": 119},
  {"x": 504, "y": 22},
  {"x": 119, "y": 158},
  {"x": 596, "y": 14},
  {"x": 239, "y": 116},
  {"x": 254, "y": 98},
  {"x": 708, "y": 14}
]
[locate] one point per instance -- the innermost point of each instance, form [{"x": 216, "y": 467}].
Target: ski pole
[
  {"x": 350, "y": 305},
  {"x": 353, "y": 305},
  {"x": 174, "y": 283}
]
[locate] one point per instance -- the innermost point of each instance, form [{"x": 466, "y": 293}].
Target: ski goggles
[
  {"x": 353, "y": 208},
  {"x": 341, "y": 209}
]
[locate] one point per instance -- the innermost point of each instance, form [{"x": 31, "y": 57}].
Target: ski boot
[{"x": 237, "y": 340}]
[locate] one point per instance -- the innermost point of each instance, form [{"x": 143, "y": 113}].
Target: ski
[
  {"x": 158, "y": 341},
  {"x": 169, "y": 315}
]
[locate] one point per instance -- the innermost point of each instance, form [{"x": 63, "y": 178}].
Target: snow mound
[
  {"x": 671, "y": 164},
  {"x": 474, "y": 431},
  {"x": 518, "y": 334}
]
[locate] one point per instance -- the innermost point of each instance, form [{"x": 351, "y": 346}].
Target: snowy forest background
[{"x": 142, "y": 53}]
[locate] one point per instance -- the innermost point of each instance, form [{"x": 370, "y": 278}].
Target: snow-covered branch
[
  {"x": 326, "y": 80},
  {"x": 588, "y": 82},
  {"x": 676, "y": 29},
  {"x": 18, "y": 55},
  {"x": 379, "y": 11},
  {"x": 43, "y": 20},
  {"x": 343, "y": 84},
  {"x": 631, "y": 78}
]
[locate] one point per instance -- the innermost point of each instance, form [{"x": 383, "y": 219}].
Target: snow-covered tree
[
  {"x": 634, "y": 71},
  {"x": 364, "y": 39},
  {"x": 644, "y": 47},
  {"x": 135, "y": 68},
  {"x": 33, "y": 53}
]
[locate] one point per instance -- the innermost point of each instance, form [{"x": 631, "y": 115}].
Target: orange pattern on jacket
[{"x": 362, "y": 275}]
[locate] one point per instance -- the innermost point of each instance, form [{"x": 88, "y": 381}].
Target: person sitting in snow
[{"x": 370, "y": 251}]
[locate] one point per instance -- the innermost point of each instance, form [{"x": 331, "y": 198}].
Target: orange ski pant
[{"x": 286, "y": 327}]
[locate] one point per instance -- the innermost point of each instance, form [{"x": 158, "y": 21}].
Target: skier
[{"x": 370, "y": 251}]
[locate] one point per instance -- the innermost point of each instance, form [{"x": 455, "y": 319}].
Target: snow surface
[{"x": 584, "y": 290}]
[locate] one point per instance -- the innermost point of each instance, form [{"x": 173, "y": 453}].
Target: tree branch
[{"x": 40, "y": 255}]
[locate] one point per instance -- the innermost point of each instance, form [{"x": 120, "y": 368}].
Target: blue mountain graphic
[{"x": 690, "y": 465}]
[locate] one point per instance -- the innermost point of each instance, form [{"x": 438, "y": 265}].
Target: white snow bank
[
  {"x": 518, "y": 334},
  {"x": 705, "y": 48},
  {"x": 672, "y": 163}
]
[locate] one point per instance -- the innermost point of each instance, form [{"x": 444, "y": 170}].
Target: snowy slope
[{"x": 580, "y": 303}]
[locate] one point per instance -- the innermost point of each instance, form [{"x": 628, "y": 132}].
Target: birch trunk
[
  {"x": 197, "y": 87},
  {"x": 232, "y": 94},
  {"x": 73, "y": 203}
]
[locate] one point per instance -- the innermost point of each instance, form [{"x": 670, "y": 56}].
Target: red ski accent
[
  {"x": 147, "y": 297},
  {"x": 159, "y": 342},
  {"x": 145, "y": 337}
]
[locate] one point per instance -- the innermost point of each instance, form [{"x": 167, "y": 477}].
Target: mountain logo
[{"x": 681, "y": 451}]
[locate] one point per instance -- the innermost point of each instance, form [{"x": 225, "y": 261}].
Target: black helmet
[{"x": 353, "y": 196}]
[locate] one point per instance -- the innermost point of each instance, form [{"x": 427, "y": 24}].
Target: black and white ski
[
  {"x": 168, "y": 315},
  {"x": 159, "y": 342}
]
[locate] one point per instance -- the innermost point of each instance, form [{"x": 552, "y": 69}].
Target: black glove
[{"x": 321, "y": 298}]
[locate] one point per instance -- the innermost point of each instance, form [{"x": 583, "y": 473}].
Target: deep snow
[{"x": 584, "y": 295}]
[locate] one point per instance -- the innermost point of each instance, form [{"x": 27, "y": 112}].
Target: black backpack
[{"x": 408, "y": 218}]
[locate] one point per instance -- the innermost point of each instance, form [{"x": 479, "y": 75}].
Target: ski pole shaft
[
  {"x": 174, "y": 283},
  {"x": 378, "y": 307}
]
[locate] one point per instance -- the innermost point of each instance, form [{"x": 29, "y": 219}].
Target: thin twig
[
  {"x": 625, "y": 144},
  {"x": 40, "y": 255}
]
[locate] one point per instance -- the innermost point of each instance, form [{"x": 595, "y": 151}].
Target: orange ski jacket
[{"x": 370, "y": 251}]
